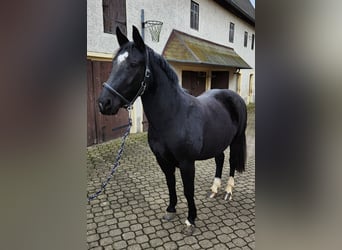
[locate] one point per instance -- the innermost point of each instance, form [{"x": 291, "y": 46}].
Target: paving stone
[
  {"x": 162, "y": 233},
  {"x": 134, "y": 247},
  {"x": 128, "y": 214},
  {"x": 96, "y": 248},
  {"x": 239, "y": 242},
  {"x": 91, "y": 226},
  {"x": 176, "y": 236},
  {"x": 220, "y": 246},
  {"x": 123, "y": 224},
  {"x": 102, "y": 229},
  {"x": 93, "y": 237},
  {"x": 170, "y": 245},
  {"x": 149, "y": 230},
  {"x": 106, "y": 241},
  {"x": 209, "y": 235},
  {"x": 223, "y": 238},
  {"x": 120, "y": 245},
  {"x": 155, "y": 222},
  {"x": 128, "y": 235},
  {"x": 142, "y": 239},
  {"x": 111, "y": 221},
  {"x": 115, "y": 232},
  {"x": 205, "y": 243},
  {"x": 156, "y": 242},
  {"x": 190, "y": 240},
  {"x": 135, "y": 227}
]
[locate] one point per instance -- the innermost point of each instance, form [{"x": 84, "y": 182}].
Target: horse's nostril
[
  {"x": 108, "y": 103},
  {"x": 101, "y": 106},
  {"x": 104, "y": 105}
]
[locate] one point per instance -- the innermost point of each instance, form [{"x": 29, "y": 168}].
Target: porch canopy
[{"x": 184, "y": 48}]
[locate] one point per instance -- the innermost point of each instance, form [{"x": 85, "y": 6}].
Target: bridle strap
[
  {"x": 141, "y": 90},
  {"x": 114, "y": 92}
]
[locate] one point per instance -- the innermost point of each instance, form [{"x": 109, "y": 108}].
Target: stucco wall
[
  {"x": 214, "y": 23},
  {"x": 97, "y": 40}
]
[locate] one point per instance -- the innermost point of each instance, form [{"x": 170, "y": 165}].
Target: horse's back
[
  {"x": 230, "y": 101},
  {"x": 202, "y": 130}
]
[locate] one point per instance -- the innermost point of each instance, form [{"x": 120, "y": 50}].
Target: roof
[
  {"x": 241, "y": 8},
  {"x": 184, "y": 48}
]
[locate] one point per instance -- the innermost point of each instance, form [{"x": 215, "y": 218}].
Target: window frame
[
  {"x": 194, "y": 15},
  {"x": 114, "y": 15}
]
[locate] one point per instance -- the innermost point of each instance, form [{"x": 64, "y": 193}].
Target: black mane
[{"x": 164, "y": 65}]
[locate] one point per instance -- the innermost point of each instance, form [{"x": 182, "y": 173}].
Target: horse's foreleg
[
  {"x": 188, "y": 177},
  {"x": 169, "y": 171},
  {"x": 217, "y": 181}
]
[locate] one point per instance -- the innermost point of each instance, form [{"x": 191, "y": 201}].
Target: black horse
[{"x": 182, "y": 128}]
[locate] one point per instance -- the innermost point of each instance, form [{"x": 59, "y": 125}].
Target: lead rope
[{"x": 117, "y": 159}]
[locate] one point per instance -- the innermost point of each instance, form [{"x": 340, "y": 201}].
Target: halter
[{"x": 141, "y": 90}]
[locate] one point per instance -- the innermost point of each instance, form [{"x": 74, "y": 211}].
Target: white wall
[
  {"x": 97, "y": 40},
  {"x": 214, "y": 23}
]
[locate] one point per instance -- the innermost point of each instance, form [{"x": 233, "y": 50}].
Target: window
[
  {"x": 114, "y": 15},
  {"x": 231, "y": 32},
  {"x": 253, "y": 37},
  {"x": 246, "y": 38},
  {"x": 194, "y": 15}
]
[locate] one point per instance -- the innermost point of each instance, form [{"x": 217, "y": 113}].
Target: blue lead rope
[{"x": 117, "y": 159}]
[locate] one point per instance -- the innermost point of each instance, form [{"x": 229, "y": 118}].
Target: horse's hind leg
[
  {"x": 169, "y": 171},
  {"x": 219, "y": 159},
  {"x": 237, "y": 159}
]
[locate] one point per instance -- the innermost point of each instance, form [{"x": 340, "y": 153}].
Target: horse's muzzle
[{"x": 106, "y": 106}]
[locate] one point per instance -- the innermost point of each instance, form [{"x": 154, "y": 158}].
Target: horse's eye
[{"x": 134, "y": 64}]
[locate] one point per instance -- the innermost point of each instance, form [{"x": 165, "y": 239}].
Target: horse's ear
[
  {"x": 138, "y": 41},
  {"x": 122, "y": 39}
]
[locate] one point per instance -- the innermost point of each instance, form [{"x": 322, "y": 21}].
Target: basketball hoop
[{"x": 154, "y": 27}]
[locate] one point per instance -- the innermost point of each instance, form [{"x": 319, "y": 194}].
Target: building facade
[{"x": 209, "y": 43}]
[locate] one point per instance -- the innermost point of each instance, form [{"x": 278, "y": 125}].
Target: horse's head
[{"x": 127, "y": 80}]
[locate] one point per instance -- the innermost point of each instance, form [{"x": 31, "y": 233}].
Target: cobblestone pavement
[{"x": 128, "y": 214}]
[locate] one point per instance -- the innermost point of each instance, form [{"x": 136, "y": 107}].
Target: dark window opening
[
  {"x": 246, "y": 38},
  {"x": 194, "y": 15},
  {"x": 114, "y": 15},
  {"x": 231, "y": 32},
  {"x": 253, "y": 37}
]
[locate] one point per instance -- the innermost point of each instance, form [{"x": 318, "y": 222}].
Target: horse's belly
[
  {"x": 216, "y": 140},
  {"x": 211, "y": 149}
]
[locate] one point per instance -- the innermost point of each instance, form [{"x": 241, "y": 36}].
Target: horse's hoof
[
  {"x": 212, "y": 195},
  {"x": 189, "y": 229},
  {"x": 228, "y": 196},
  {"x": 169, "y": 216}
]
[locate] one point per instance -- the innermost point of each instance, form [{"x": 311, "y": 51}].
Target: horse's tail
[{"x": 238, "y": 152}]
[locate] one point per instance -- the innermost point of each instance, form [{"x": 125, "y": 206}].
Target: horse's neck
[{"x": 162, "y": 99}]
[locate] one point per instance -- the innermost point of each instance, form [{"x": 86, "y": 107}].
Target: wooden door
[
  {"x": 101, "y": 128},
  {"x": 220, "y": 79},
  {"x": 91, "y": 121},
  {"x": 194, "y": 82}
]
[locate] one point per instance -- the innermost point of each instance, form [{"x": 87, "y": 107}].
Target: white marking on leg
[
  {"x": 122, "y": 57},
  {"x": 216, "y": 185},
  {"x": 187, "y": 223},
  {"x": 230, "y": 185}
]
